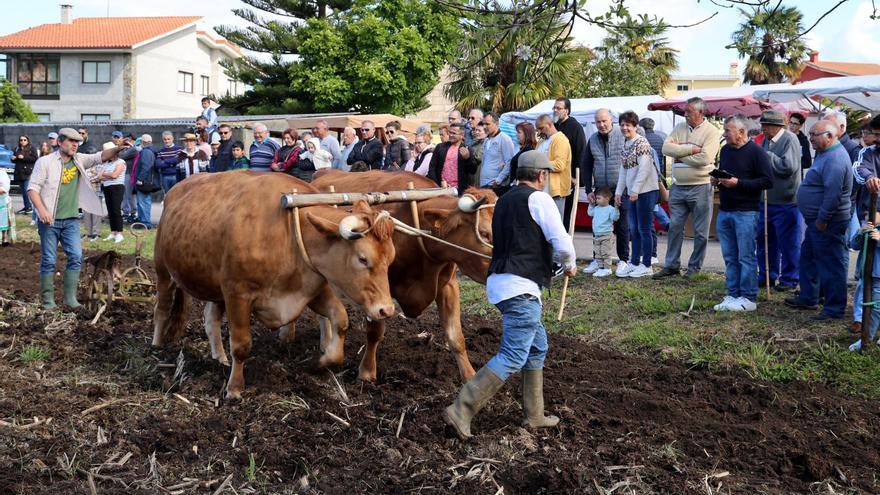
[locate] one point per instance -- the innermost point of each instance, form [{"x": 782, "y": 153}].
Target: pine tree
[{"x": 13, "y": 107}]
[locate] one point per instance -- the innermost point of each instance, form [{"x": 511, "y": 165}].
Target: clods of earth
[{"x": 94, "y": 409}]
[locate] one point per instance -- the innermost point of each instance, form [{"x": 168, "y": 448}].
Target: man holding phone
[{"x": 743, "y": 173}]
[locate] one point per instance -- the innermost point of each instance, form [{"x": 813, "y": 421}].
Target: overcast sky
[{"x": 845, "y": 35}]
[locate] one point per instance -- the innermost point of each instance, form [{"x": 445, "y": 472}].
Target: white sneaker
[
  {"x": 602, "y": 272},
  {"x": 118, "y": 238},
  {"x": 725, "y": 304},
  {"x": 110, "y": 237},
  {"x": 623, "y": 269},
  {"x": 742, "y": 304},
  {"x": 641, "y": 271},
  {"x": 654, "y": 260},
  {"x": 593, "y": 267}
]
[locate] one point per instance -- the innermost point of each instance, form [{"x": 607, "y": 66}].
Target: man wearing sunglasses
[
  {"x": 369, "y": 149},
  {"x": 397, "y": 152},
  {"x": 223, "y": 160}
]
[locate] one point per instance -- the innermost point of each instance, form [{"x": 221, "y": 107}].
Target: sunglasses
[
  {"x": 389, "y": 131},
  {"x": 363, "y": 129},
  {"x": 225, "y": 133}
]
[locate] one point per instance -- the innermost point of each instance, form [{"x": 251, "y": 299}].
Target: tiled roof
[
  {"x": 846, "y": 68},
  {"x": 95, "y": 32}
]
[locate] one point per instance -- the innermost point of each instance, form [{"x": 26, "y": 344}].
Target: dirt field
[{"x": 129, "y": 419}]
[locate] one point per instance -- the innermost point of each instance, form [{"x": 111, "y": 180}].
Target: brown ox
[
  {"x": 420, "y": 277},
  {"x": 225, "y": 239}
]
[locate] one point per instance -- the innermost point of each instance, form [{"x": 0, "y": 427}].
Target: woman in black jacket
[
  {"x": 525, "y": 134},
  {"x": 24, "y": 157}
]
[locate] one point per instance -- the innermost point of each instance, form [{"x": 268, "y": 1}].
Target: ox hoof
[
  {"x": 233, "y": 396},
  {"x": 367, "y": 376},
  {"x": 329, "y": 361},
  {"x": 223, "y": 360}
]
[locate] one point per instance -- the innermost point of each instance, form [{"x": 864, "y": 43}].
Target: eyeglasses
[
  {"x": 472, "y": 118},
  {"x": 419, "y": 142},
  {"x": 389, "y": 131},
  {"x": 817, "y": 134},
  {"x": 364, "y": 129}
]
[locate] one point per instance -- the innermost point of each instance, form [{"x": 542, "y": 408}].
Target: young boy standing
[
  {"x": 604, "y": 215},
  {"x": 238, "y": 158}
]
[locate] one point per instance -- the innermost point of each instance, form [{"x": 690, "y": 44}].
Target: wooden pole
[
  {"x": 571, "y": 224},
  {"x": 867, "y": 281},
  {"x": 294, "y": 200},
  {"x": 766, "y": 248}
]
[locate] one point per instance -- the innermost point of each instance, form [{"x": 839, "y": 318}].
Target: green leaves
[
  {"x": 12, "y": 107},
  {"x": 771, "y": 41}
]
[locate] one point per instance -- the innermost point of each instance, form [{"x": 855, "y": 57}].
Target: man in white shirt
[
  {"x": 329, "y": 143},
  {"x": 527, "y": 230}
]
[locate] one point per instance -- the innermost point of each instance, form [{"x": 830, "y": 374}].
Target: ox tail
[{"x": 169, "y": 318}]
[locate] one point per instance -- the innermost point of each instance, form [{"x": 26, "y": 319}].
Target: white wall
[{"x": 77, "y": 98}]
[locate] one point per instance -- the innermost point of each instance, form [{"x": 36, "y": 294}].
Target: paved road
[{"x": 583, "y": 243}]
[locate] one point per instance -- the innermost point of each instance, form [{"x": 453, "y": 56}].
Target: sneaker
[
  {"x": 118, "y": 238},
  {"x": 602, "y": 272},
  {"x": 33, "y": 222},
  {"x": 725, "y": 304},
  {"x": 623, "y": 269},
  {"x": 856, "y": 346},
  {"x": 742, "y": 304},
  {"x": 654, "y": 261},
  {"x": 109, "y": 237},
  {"x": 558, "y": 269},
  {"x": 593, "y": 267},
  {"x": 641, "y": 271},
  {"x": 666, "y": 272}
]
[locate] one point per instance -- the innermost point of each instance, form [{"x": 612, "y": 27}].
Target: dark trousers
[
  {"x": 785, "y": 234},
  {"x": 621, "y": 229},
  {"x": 113, "y": 197},
  {"x": 569, "y": 209},
  {"x": 825, "y": 261}
]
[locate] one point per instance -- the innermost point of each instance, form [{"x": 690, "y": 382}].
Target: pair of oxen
[{"x": 226, "y": 240}]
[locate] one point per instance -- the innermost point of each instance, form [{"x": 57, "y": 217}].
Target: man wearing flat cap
[
  {"x": 785, "y": 226},
  {"x": 58, "y": 188},
  {"x": 527, "y": 230}
]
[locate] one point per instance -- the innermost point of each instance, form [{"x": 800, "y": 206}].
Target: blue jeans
[
  {"x": 662, "y": 218},
  {"x": 736, "y": 234},
  {"x": 168, "y": 182},
  {"x": 65, "y": 231},
  {"x": 875, "y": 311},
  {"x": 825, "y": 261},
  {"x": 144, "y": 208},
  {"x": 641, "y": 221},
  {"x": 785, "y": 233},
  {"x": 524, "y": 340},
  {"x": 24, "y": 195}
]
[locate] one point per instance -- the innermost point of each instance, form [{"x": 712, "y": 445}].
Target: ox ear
[
  {"x": 323, "y": 225},
  {"x": 439, "y": 218},
  {"x": 363, "y": 208}
]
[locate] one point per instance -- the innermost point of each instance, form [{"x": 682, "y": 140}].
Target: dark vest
[{"x": 519, "y": 244}]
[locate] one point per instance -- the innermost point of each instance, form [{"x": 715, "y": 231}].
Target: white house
[{"x": 117, "y": 67}]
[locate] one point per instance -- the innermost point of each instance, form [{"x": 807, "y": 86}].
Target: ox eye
[{"x": 363, "y": 260}]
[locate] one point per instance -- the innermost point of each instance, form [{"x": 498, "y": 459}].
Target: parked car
[{"x": 6, "y": 160}]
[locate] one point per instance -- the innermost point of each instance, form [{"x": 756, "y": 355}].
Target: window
[
  {"x": 96, "y": 72},
  {"x": 184, "y": 82},
  {"x": 38, "y": 76},
  {"x": 94, "y": 116},
  {"x": 232, "y": 88},
  {"x": 206, "y": 86},
  {"x": 5, "y": 67},
  {"x": 44, "y": 117},
  {"x": 682, "y": 87}
]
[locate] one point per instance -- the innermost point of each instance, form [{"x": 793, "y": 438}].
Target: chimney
[
  {"x": 734, "y": 68},
  {"x": 814, "y": 56},
  {"x": 66, "y": 13}
]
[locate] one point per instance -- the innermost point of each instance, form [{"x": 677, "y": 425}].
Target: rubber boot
[
  {"x": 473, "y": 396},
  {"x": 533, "y": 400},
  {"x": 71, "y": 283},
  {"x": 47, "y": 291}
]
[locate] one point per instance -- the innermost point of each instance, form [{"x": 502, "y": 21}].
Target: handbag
[{"x": 664, "y": 191}]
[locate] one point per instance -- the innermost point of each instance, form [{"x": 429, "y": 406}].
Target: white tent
[
  {"x": 584, "y": 110},
  {"x": 859, "y": 92}
]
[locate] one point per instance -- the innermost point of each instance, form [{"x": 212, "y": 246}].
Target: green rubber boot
[
  {"x": 473, "y": 396},
  {"x": 71, "y": 283},
  {"x": 47, "y": 291},
  {"x": 533, "y": 400}
]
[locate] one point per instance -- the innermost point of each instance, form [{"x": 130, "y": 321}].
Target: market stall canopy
[
  {"x": 720, "y": 106},
  {"x": 859, "y": 92},
  {"x": 339, "y": 122},
  {"x": 584, "y": 110}
]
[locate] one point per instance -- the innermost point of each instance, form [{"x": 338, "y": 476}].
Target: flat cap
[
  {"x": 772, "y": 117},
  {"x": 534, "y": 159},
  {"x": 53, "y": 135},
  {"x": 69, "y": 133}
]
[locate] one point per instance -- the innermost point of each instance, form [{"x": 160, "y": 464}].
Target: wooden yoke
[{"x": 297, "y": 200}]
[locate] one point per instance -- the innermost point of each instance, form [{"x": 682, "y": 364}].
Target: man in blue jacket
[
  {"x": 824, "y": 201},
  {"x": 145, "y": 183}
]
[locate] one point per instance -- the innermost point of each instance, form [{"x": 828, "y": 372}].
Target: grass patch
[
  {"x": 654, "y": 334},
  {"x": 32, "y": 353},
  {"x": 28, "y": 233}
]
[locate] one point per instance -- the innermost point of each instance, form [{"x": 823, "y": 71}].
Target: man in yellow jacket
[{"x": 558, "y": 150}]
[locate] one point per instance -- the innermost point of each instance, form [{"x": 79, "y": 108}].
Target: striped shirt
[{"x": 261, "y": 154}]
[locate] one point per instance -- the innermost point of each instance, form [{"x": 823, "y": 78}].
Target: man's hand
[
  {"x": 44, "y": 216},
  {"x": 464, "y": 152},
  {"x": 696, "y": 149},
  {"x": 574, "y": 183},
  {"x": 873, "y": 185},
  {"x": 591, "y": 198},
  {"x": 875, "y": 235},
  {"x": 633, "y": 197},
  {"x": 821, "y": 226},
  {"x": 571, "y": 272},
  {"x": 729, "y": 183},
  {"x": 617, "y": 200},
  {"x": 139, "y": 183}
]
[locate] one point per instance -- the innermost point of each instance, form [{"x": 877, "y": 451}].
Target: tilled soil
[{"x": 630, "y": 424}]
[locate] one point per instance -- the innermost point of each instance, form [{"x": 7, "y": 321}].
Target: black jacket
[
  {"x": 573, "y": 130},
  {"x": 466, "y": 167},
  {"x": 223, "y": 160},
  {"x": 370, "y": 152},
  {"x": 398, "y": 153},
  {"x": 24, "y": 166}
]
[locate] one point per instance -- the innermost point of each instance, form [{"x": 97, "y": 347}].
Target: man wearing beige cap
[
  {"x": 785, "y": 227},
  {"x": 58, "y": 189},
  {"x": 527, "y": 230}
]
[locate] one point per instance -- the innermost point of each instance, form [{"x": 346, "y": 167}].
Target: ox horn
[
  {"x": 348, "y": 228},
  {"x": 469, "y": 204}
]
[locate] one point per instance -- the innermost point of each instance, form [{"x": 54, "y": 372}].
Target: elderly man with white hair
[
  {"x": 474, "y": 118},
  {"x": 839, "y": 119},
  {"x": 349, "y": 139},
  {"x": 263, "y": 149}
]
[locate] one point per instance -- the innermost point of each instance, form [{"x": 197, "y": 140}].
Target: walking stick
[
  {"x": 571, "y": 219},
  {"x": 867, "y": 282},
  {"x": 766, "y": 249}
]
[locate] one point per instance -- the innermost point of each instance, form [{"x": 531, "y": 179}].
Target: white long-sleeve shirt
[{"x": 502, "y": 286}]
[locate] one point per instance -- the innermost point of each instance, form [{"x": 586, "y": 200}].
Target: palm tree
[
  {"x": 770, "y": 40},
  {"x": 505, "y": 69},
  {"x": 642, "y": 41}
]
